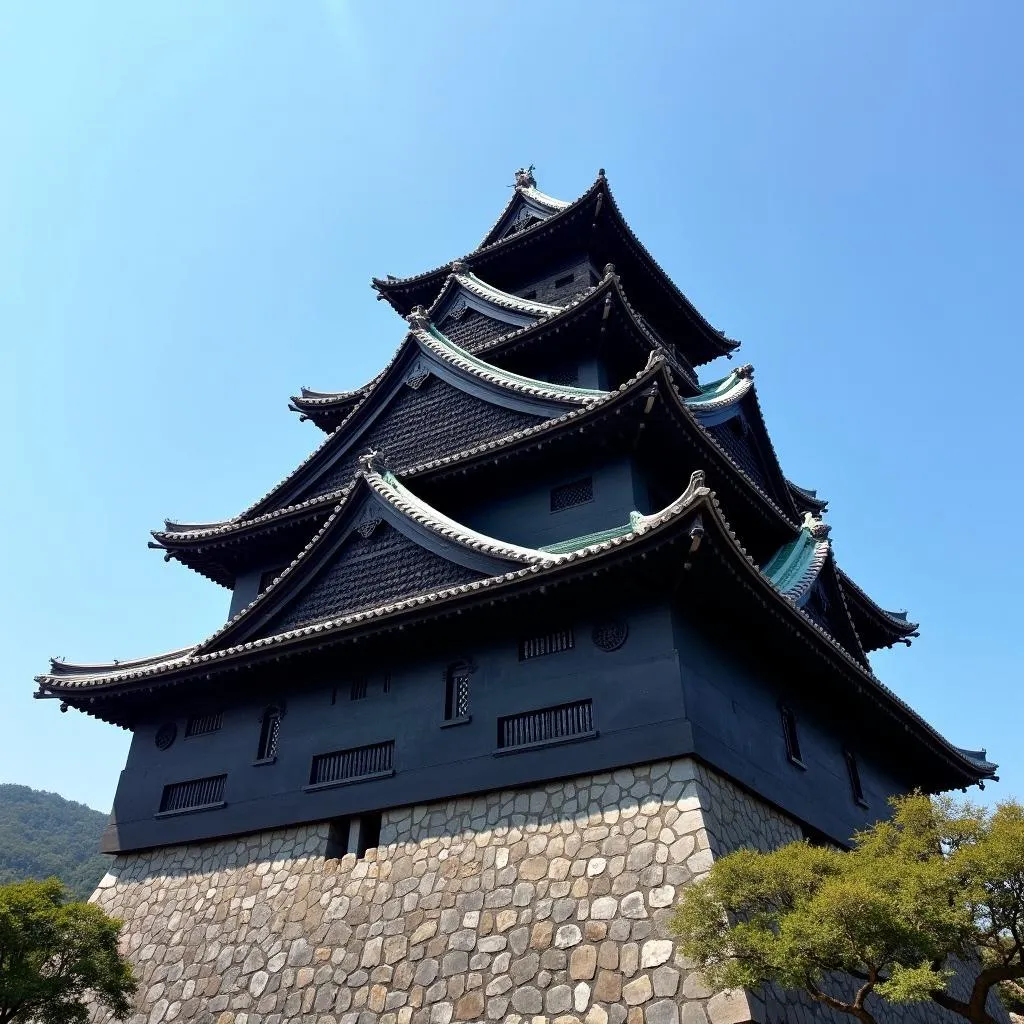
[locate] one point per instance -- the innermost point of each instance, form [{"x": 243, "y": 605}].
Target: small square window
[{"x": 562, "y": 282}]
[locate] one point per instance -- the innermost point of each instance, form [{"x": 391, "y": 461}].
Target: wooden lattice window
[
  {"x": 579, "y": 492},
  {"x": 357, "y": 690},
  {"x": 546, "y": 725},
  {"x": 197, "y": 725},
  {"x": 353, "y": 764},
  {"x": 546, "y": 643},
  {"x": 456, "y": 690},
  {"x": 270, "y": 733},
  {"x": 193, "y": 795}
]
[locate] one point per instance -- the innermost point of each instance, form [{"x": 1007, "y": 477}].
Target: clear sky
[{"x": 194, "y": 196}]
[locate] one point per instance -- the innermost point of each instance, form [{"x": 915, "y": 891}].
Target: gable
[
  {"x": 423, "y": 420},
  {"x": 367, "y": 571},
  {"x": 524, "y": 211},
  {"x": 825, "y": 605},
  {"x": 736, "y": 437}
]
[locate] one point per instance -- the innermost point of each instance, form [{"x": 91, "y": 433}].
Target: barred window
[
  {"x": 579, "y": 492},
  {"x": 193, "y": 795},
  {"x": 357, "y": 691},
  {"x": 546, "y": 725},
  {"x": 353, "y": 764},
  {"x": 199, "y": 724},
  {"x": 546, "y": 643},
  {"x": 270, "y": 731},
  {"x": 456, "y": 695}
]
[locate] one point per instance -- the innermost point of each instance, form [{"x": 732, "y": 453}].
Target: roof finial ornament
[
  {"x": 525, "y": 178},
  {"x": 609, "y": 272},
  {"x": 371, "y": 461},
  {"x": 418, "y": 319},
  {"x": 744, "y": 372},
  {"x": 459, "y": 267},
  {"x": 818, "y": 529},
  {"x": 600, "y": 172}
]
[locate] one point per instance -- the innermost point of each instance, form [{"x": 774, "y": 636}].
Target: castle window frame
[
  {"x": 565, "y": 280},
  {"x": 270, "y": 734},
  {"x": 791, "y": 736},
  {"x": 458, "y": 692},
  {"x": 192, "y": 796},
  {"x": 853, "y": 774},
  {"x": 202, "y": 725},
  {"x": 539, "y": 645}
]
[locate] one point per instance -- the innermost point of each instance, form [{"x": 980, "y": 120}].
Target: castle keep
[{"x": 538, "y": 630}]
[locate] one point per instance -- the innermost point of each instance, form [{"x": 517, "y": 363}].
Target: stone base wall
[{"x": 546, "y": 906}]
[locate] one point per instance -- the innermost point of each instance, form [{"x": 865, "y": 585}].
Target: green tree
[
  {"x": 55, "y": 954},
  {"x": 937, "y": 883}
]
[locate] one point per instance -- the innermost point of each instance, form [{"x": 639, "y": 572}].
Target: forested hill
[{"x": 42, "y": 834}]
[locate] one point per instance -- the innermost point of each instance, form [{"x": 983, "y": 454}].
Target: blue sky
[{"x": 193, "y": 198}]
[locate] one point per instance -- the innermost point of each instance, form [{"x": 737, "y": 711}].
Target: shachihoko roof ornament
[{"x": 525, "y": 178}]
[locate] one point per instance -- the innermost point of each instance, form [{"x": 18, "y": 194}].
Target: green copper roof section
[
  {"x": 512, "y": 378},
  {"x": 796, "y": 565},
  {"x": 724, "y": 391},
  {"x": 563, "y": 547},
  {"x": 791, "y": 561}
]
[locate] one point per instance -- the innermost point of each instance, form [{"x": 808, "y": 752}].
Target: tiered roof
[
  {"x": 592, "y": 223},
  {"x": 363, "y": 551}
]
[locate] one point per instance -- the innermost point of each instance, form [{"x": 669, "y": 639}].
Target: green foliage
[
  {"x": 938, "y": 880},
  {"x": 42, "y": 835},
  {"x": 53, "y": 954}
]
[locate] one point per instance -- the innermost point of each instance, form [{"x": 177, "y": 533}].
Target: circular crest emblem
[
  {"x": 166, "y": 735},
  {"x": 610, "y": 635}
]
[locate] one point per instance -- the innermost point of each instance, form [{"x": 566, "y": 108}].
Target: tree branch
[{"x": 854, "y": 1009}]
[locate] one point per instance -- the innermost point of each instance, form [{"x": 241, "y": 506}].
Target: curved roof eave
[
  {"x": 697, "y": 499},
  {"x": 896, "y": 622},
  {"x": 234, "y": 527},
  {"x": 718, "y": 342},
  {"x": 531, "y": 560},
  {"x": 610, "y": 286},
  {"x": 464, "y": 364},
  {"x": 461, "y": 278}
]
